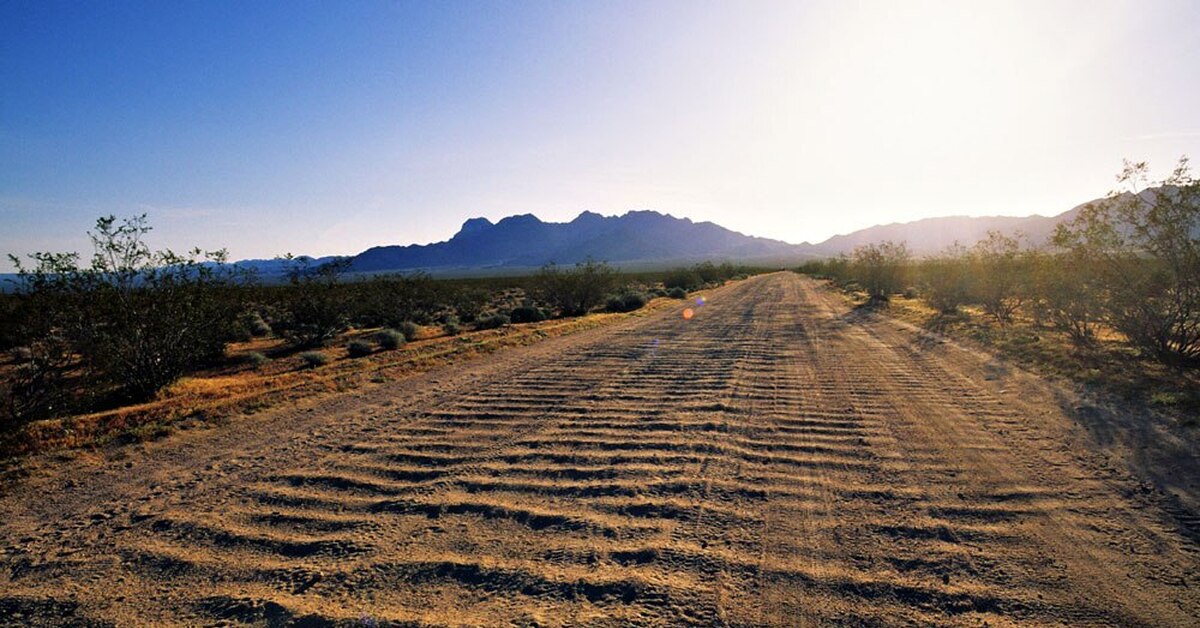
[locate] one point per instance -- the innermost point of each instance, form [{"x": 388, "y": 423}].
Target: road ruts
[{"x": 778, "y": 459}]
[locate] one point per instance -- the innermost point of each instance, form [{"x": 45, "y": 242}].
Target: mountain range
[
  {"x": 650, "y": 239},
  {"x": 526, "y": 241}
]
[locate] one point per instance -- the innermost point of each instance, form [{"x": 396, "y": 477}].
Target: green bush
[
  {"x": 880, "y": 268},
  {"x": 313, "y": 359},
  {"x": 389, "y": 339},
  {"x": 576, "y": 291},
  {"x": 527, "y": 314},
  {"x": 318, "y": 308},
  {"x": 255, "y": 359},
  {"x": 409, "y": 329},
  {"x": 452, "y": 328},
  {"x": 677, "y": 293},
  {"x": 625, "y": 303},
  {"x": 37, "y": 388},
  {"x": 138, "y": 319},
  {"x": 945, "y": 280},
  {"x": 491, "y": 322},
  {"x": 359, "y": 349},
  {"x": 685, "y": 279},
  {"x": 258, "y": 327}
]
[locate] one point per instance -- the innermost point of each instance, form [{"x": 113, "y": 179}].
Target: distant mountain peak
[
  {"x": 525, "y": 240},
  {"x": 587, "y": 217},
  {"x": 475, "y": 225},
  {"x": 520, "y": 219}
]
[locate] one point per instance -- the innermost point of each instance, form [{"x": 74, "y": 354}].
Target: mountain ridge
[
  {"x": 524, "y": 240},
  {"x": 649, "y": 238}
]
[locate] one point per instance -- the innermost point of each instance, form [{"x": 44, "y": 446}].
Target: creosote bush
[
  {"x": 409, "y": 329},
  {"x": 359, "y": 349},
  {"x": 881, "y": 269},
  {"x": 318, "y": 309},
  {"x": 255, "y": 359},
  {"x": 389, "y": 339},
  {"x": 575, "y": 291},
  {"x": 313, "y": 359},
  {"x": 493, "y": 321},
  {"x": 1129, "y": 263},
  {"x": 527, "y": 314},
  {"x": 626, "y": 303},
  {"x": 137, "y": 319}
]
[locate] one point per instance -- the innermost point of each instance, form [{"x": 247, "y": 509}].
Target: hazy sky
[{"x": 333, "y": 126}]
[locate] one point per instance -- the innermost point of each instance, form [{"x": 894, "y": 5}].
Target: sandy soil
[{"x": 775, "y": 460}]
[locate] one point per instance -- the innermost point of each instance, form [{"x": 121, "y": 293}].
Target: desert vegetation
[
  {"x": 1119, "y": 284},
  {"x": 80, "y": 338}
]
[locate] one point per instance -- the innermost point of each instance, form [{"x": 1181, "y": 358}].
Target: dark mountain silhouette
[
  {"x": 525, "y": 241},
  {"x": 650, "y": 237}
]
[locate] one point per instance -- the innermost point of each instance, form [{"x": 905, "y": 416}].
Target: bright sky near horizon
[{"x": 329, "y": 127}]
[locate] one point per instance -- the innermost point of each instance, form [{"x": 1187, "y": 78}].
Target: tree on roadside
[
  {"x": 1144, "y": 242},
  {"x": 137, "y": 318}
]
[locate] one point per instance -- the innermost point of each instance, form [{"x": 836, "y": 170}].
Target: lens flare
[
  {"x": 701, "y": 301},
  {"x": 688, "y": 314}
]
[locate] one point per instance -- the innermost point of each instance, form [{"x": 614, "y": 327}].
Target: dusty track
[{"x": 777, "y": 459}]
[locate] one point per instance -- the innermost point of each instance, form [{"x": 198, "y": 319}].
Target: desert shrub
[
  {"x": 677, "y": 293},
  {"x": 492, "y": 321},
  {"x": 468, "y": 304},
  {"x": 686, "y": 279},
  {"x": 714, "y": 274},
  {"x": 1000, "y": 273},
  {"x": 10, "y": 319},
  {"x": 255, "y": 325},
  {"x": 880, "y": 268},
  {"x": 658, "y": 292},
  {"x": 255, "y": 359},
  {"x": 945, "y": 280},
  {"x": 317, "y": 309},
  {"x": 1066, "y": 293},
  {"x": 576, "y": 291},
  {"x": 625, "y": 303},
  {"x": 409, "y": 329},
  {"x": 389, "y": 339},
  {"x": 391, "y": 301},
  {"x": 526, "y": 314},
  {"x": 36, "y": 388},
  {"x": 313, "y": 359},
  {"x": 138, "y": 319},
  {"x": 451, "y": 328},
  {"x": 359, "y": 349},
  {"x": 1144, "y": 245}
]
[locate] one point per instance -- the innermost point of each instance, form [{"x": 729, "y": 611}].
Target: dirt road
[{"x": 775, "y": 460}]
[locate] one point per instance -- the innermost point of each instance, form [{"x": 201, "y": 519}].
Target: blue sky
[{"x": 330, "y": 127}]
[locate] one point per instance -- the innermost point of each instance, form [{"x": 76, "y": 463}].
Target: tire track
[{"x": 775, "y": 460}]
